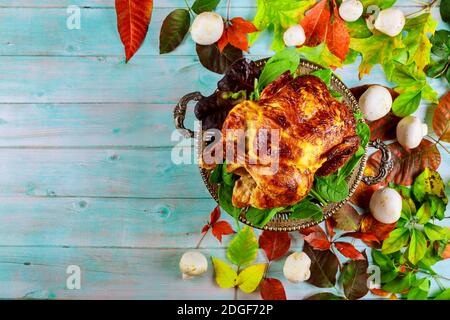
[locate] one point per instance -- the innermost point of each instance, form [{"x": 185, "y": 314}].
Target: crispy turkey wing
[{"x": 317, "y": 135}]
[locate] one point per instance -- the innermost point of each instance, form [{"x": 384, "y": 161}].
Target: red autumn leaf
[
  {"x": 221, "y": 228},
  {"x": 316, "y": 228},
  {"x": 330, "y": 224},
  {"x": 380, "y": 230},
  {"x": 272, "y": 289},
  {"x": 274, "y": 244},
  {"x": 235, "y": 33},
  {"x": 218, "y": 228},
  {"x": 379, "y": 292},
  {"x": 361, "y": 236},
  {"x": 349, "y": 251},
  {"x": 324, "y": 24},
  {"x": 441, "y": 119},
  {"x": 408, "y": 163},
  {"x": 318, "y": 240},
  {"x": 338, "y": 38},
  {"x": 133, "y": 18},
  {"x": 446, "y": 252},
  {"x": 347, "y": 218}
]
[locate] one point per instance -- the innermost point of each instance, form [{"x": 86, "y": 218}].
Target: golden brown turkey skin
[{"x": 317, "y": 136}]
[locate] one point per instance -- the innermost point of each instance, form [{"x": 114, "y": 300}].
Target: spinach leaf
[
  {"x": 305, "y": 209},
  {"x": 332, "y": 188},
  {"x": 347, "y": 169},
  {"x": 282, "y": 61},
  {"x": 225, "y": 193},
  {"x": 363, "y": 131},
  {"x": 216, "y": 175},
  {"x": 260, "y": 217},
  {"x": 324, "y": 75}
]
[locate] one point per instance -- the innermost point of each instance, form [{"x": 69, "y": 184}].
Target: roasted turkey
[{"x": 317, "y": 135}]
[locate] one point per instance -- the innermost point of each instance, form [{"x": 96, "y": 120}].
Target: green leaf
[
  {"x": 441, "y": 44},
  {"x": 323, "y": 56},
  {"x": 285, "y": 60},
  {"x": 347, "y": 168},
  {"x": 332, "y": 188},
  {"x": 225, "y": 200},
  {"x": 227, "y": 177},
  {"x": 407, "y": 103},
  {"x": 200, "y": 6},
  {"x": 358, "y": 29},
  {"x": 260, "y": 217},
  {"x": 216, "y": 175},
  {"x": 416, "y": 41},
  {"x": 399, "y": 284},
  {"x": 417, "y": 246},
  {"x": 324, "y": 75},
  {"x": 397, "y": 239},
  {"x": 424, "y": 213},
  {"x": 445, "y": 10},
  {"x": 443, "y": 295},
  {"x": 363, "y": 131},
  {"x": 243, "y": 248},
  {"x": 278, "y": 15},
  {"x": 249, "y": 278},
  {"x": 382, "y": 4},
  {"x": 354, "y": 278},
  {"x": 305, "y": 209},
  {"x": 437, "y": 69},
  {"x": 429, "y": 182},
  {"x": 419, "y": 290},
  {"x": 430, "y": 258},
  {"x": 173, "y": 30},
  {"x": 437, "y": 206},
  {"x": 325, "y": 296},
  {"x": 434, "y": 232},
  {"x": 225, "y": 277},
  {"x": 383, "y": 261}
]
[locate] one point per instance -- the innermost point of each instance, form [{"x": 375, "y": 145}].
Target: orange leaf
[
  {"x": 408, "y": 163},
  {"x": 215, "y": 215},
  {"x": 133, "y": 18},
  {"x": 237, "y": 38},
  {"x": 316, "y": 23},
  {"x": 243, "y": 25},
  {"x": 380, "y": 230},
  {"x": 361, "y": 236},
  {"x": 330, "y": 224},
  {"x": 338, "y": 38},
  {"x": 379, "y": 292},
  {"x": 272, "y": 289},
  {"x": 318, "y": 240},
  {"x": 274, "y": 244},
  {"x": 441, "y": 118},
  {"x": 221, "y": 228},
  {"x": 446, "y": 253},
  {"x": 223, "y": 41},
  {"x": 312, "y": 229},
  {"x": 349, "y": 251}
]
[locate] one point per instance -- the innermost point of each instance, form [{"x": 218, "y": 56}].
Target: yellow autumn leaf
[
  {"x": 249, "y": 278},
  {"x": 226, "y": 277}
]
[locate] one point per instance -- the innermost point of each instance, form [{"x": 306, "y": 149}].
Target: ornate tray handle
[
  {"x": 386, "y": 163},
  {"x": 179, "y": 113}
]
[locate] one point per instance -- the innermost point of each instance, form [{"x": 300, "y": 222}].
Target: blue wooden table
[{"x": 85, "y": 172}]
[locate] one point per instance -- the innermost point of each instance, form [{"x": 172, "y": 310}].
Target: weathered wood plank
[
  {"x": 87, "y": 125},
  {"x": 31, "y": 31},
  {"x": 27, "y": 272},
  {"x": 93, "y": 172}
]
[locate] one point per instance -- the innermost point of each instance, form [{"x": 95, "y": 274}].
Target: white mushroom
[
  {"x": 410, "y": 131},
  {"x": 375, "y": 102},
  {"x": 386, "y": 205},
  {"x": 390, "y": 21},
  {"x": 294, "y": 36},
  {"x": 207, "y": 28},
  {"x": 351, "y": 10},
  {"x": 193, "y": 263},
  {"x": 296, "y": 267}
]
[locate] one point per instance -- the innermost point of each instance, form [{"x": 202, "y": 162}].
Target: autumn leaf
[
  {"x": 364, "y": 236},
  {"x": 370, "y": 225},
  {"x": 214, "y": 60},
  {"x": 323, "y": 24},
  {"x": 218, "y": 228},
  {"x": 318, "y": 241},
  {"x": 441, "y": 118},
  {"x": 324, "y": 266},
  {"x": 235, "y": 33},
  {"x": 272, "y": 289},
  {"x": 354, "y": 278},
  {"x": 274, "y": 244},
  {"x": 243, "y": 248},
  {"x": 348, "y": 250},
  {"x": 309, "y": 230},
  {"x": 173, "y": 30},
  {"x": 380, "y": 292},
  {"x": 347, "y": 218},
  {"x": 330, "y": 224},
  {"x": 325, "y": 296},
  {"x": 133, "y": 18},
  {"x": 278, "y": 15},
  {"x": 377, "y": 49},
  {"x": 408, "y": 163}
]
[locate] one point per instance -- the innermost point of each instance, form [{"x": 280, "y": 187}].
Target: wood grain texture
[{"x": 85, "y": 145}]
